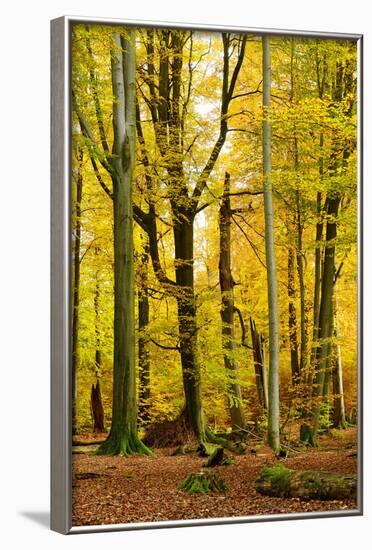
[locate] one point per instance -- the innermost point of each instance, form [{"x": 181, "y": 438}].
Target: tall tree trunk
[
  {"x": 273, "y": 412},
  {"x": 143, "y": 339},
  {"x": 96, "y": 398},
  {"x": 322, "y": 73},
  {"x": 301, "y": 276},
  {"x": 299, "y": 227},
  {"x": 325, "y": 311},
  {"x": 341, "y": 149},
  {"x": 76, "y": 286},
  {"x": 168, "y": 111},
  {"x": 227, "y": 309},
  {"x": 339, "y": 418},
  {"x": 317, "y": 277},
  {"x": 184, "y": 258},
  {"x": 292, "y": 318},
  {"x": 123, "y": 437}
]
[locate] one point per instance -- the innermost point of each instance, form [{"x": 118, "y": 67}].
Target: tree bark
[
  {"x": 96, "y": 398},
  {"x": 123, "y": 437},
  {"x": 143, "y": 339},
  {"x": 339, "y": 417},
  {"x": 292, "y": 318},
  {"x": 76, "y": 287},
  {"x": 273, "y": 411},
  {"x": 259, "y": 365},
  {"x": 227, "y": 310},
  {"x": 97, "y": 408},
  {"x": 184, "y": 258},
  {"x": 317, "y": 277}
]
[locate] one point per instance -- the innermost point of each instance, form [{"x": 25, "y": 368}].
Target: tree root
[{"x": 123, "y": 446}]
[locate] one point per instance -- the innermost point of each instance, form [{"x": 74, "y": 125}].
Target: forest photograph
[{"x": 214, "y": 282}]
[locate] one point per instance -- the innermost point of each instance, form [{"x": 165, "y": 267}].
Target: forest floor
[{"x": 109, "y": 490}]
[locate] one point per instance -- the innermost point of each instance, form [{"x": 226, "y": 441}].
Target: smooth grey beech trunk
[
  {"x": 273, "y": 411},
  {"x": 123, "y": 438}
]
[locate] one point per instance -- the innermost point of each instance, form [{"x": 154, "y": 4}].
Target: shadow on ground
[{"x": 42, "y": 518}]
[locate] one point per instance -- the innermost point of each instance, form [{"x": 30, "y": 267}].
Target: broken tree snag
[
  {"x": 203, "y": 482},
  {"x": 279, "y": 481},
  {"x": 218, "y": 458}
]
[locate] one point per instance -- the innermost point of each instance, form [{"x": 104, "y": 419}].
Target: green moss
[
  {"x": 123, "y": 446},
  {"x": 278, "y": 475},
  {"x": 202, "y": 483}
]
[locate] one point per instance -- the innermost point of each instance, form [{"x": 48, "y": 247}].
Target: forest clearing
[{"x": 214, "y": 281}]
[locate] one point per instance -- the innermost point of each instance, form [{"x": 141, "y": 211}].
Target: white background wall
[{"x": 24, "y": 271}]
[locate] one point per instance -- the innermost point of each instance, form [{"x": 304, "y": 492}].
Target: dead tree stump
[
  {"x": 218, "y": 458},
  {"x": 279, "y": 481},
  {"x": 203, "y": 482}
]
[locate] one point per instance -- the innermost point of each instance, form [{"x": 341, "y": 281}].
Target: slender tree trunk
[
  {"x": 96, "y": 398},
  {"x": 273, "y": 412},
  {"x": 227, "y": 309},
  {"x": 322, "y": 73},
  {"x": 97, "y": 408},
  {"x": 123, "y": 437},
  {"x": 143, "y": 339},
  {"x": 339, "y": 418},
  {"x": 299, "y": 227},
  {"x": 259, "y": 365},
  {"x": 317, "y": 279},
  {"x": 76, "y": 287},
  {"x": 292, "y": 318},
  {"x": 301, "y": 277}
]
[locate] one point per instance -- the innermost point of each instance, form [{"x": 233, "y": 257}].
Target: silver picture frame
[{"x": 61, "y": 417}]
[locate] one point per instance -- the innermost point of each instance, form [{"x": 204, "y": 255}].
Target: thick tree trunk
[
  {"x": 227, "y": 310},
  {"x": 284, "y": 483},
  {"x": 259, "y": 365},
  {"x": 76, "y": 287},
  {"x": 273, "y": 412},
  {"x": 186, "y": 307},
  {"x": 143, "y": 340},
  {"x": 123, "y": 438}
]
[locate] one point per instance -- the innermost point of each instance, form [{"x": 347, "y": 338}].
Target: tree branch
[
  {"x": 242, "y": 325},
  {"x": 162, "y": 346}
]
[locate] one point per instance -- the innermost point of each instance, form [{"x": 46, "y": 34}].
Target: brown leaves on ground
[{"x": 109, "y": 490}]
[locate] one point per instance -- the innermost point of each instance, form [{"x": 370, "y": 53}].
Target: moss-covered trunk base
[
  {"x": 279, "y": 481},
  {"x": 203, "y": 482},
  {"x": 308, "y": 435},
  {"x": 123, "y": 445}
]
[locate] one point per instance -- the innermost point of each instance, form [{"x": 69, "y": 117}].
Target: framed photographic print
[{"x": 206, "y": 274}]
